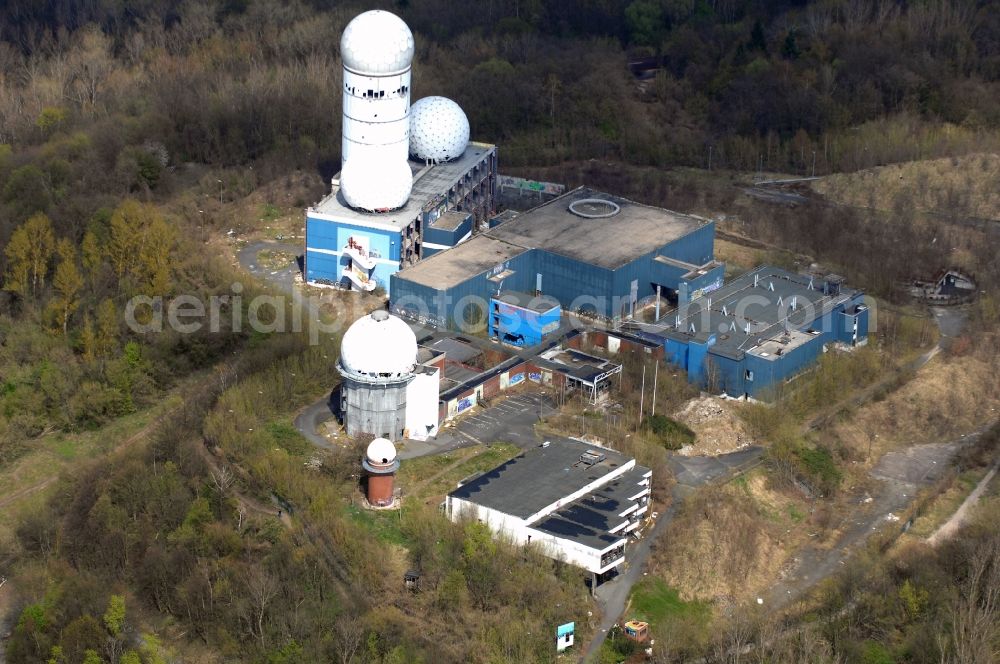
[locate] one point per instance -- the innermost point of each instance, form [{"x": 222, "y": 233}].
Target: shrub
[{"x": 669, "y": 432}]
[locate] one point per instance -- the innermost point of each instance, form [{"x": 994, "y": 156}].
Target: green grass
[
  {"x": 413, "y": 472},
  {"x": 385, "y": 524},
  {"x": 656, "y": 602},
  {"x": 288, "y": 438}
]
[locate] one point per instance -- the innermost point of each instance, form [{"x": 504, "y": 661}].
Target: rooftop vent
[
  {"x": 590, "y": 457},
  {"x": 594, "y": 208}
]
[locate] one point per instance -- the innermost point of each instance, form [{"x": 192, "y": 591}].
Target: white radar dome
[
  {"x": 377, "y": 42},
  {"x": 439, "y": 129},
  {"x": 381, "y": 451},
  {"x": 371, "y": 183},
  {"x": 379, "y": 345}
]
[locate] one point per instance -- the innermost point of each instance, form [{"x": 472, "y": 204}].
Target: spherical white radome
[
  {"x": 369, "y": 182},
  {"x": 381, "y": 451},
  {"x": 376, "y": 42},
  {"x": 378, "y": 345},
  {"x": 439, "y": 129}
]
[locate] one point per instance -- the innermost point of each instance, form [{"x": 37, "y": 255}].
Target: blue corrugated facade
[
  {"x": 465, "y": 186},
  {"x": 749, "y": 373},
  {"x": 520, "y": 326},
  {"x": 574, "y": 284},
  {"x": 324, "y": 256}
]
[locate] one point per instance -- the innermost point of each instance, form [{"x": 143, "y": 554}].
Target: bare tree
[
  {"x": 975, "y": 612},
  {"x": 262, "y": 589},
  {"x": 348, "y": 633}
]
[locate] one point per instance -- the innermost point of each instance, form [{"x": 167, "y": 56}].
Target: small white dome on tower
[
  {"x": 377, "y": 42},
  {"x": 371, "y": 183},
  {"x": 381, "y": 451},
  {"x": 439, "y": 129},
  {"x": 379, "y": 345}
]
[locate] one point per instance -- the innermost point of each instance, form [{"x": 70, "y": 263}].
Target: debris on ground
[{"x": 717, "y": 427}]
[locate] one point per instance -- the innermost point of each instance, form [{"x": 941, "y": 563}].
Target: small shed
[
  {"x": 636, "y": 630},
  {"x": 412, "y": 580}
]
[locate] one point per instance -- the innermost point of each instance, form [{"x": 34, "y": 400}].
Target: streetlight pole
[
  {"x": 656, "y": 370},
  {"x": 220, "y": 191},
  {"x": 814, "y": 163},
  {"x": 642, "y": 395}
]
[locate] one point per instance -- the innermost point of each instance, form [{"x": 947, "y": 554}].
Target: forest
[{"x": 128, "y": 128}]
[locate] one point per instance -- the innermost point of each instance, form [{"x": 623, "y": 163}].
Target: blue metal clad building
[
  {"x": 588, "y": 250},
  {"x": 520, "y": 319},
  {"x": 361, "y": 250},
  {"x": 761, "y": 329},
  {"x": 446, "y": 231}
]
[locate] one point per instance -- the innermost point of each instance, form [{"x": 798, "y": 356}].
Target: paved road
[
  {"x": 902, "y": 473},
  {"x": 951, "y": 526},
  {"x": 511, "y": 420},
  {"x": 283, "y": 277}
]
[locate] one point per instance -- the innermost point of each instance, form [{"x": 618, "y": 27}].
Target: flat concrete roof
[
  {"x": 537, "y": 303},
  {"x": 582, "y": 366},
  {"x": 450, "y": 267},
  {"x": 455, "y": 350},
  {"x": 449, "y": 221},
  {"x": 608, "y": 242},
  {"x": 429, "y": 182},
  {"x": 538, "y": 477}
]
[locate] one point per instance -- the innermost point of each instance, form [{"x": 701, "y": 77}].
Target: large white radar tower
[{"x": 376, "y": 49}]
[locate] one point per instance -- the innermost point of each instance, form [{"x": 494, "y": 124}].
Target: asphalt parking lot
[{"x": 510, "y": 420}]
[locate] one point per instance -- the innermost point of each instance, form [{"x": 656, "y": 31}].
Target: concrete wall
[
  {"x": 422, "y": 405},
  {"x": 379, "y": 410}
]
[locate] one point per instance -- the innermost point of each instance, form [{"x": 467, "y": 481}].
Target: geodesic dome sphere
[
  {"x": 381, "y": 451},
  {"x": 369, "y": 182},
  {"x": 439, "y": 129},
  {"x": 376, "y": 42},
  {"x": 379, "y": 345}
]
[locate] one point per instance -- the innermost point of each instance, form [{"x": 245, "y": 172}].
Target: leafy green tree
[
  {"x": 80, "y": 636},
  {"x": 645, "y": 21},
  {"x": 67, "y": 282},
  {"x": 50, "y": 119},
  {"x": 130, "y": 657},
  {"x": 114, "y": 617},
  {"x": 28, "y": 255},
  {"x": 27, "y": 191},
  {"x": 139, "y": 248},
  {"x": 91, "y": 657}
]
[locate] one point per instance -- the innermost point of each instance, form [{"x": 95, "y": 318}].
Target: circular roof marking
[{"x": 594, "y": 208}]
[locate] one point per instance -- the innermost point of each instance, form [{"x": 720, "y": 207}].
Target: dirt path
[
  {"x": 246, "y": 503},
  {"x": 29, "y": 491},
  {"x": 949, "y": 527},
  {"x": 903, "y": 473},
  {"x": 6, "y": 617}
]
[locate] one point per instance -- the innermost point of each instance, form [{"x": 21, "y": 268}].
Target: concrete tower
[
  {"x": 377, "y": 360},
  {"x": 376, "y": 49},
  {"x": 380, "y": 464}
]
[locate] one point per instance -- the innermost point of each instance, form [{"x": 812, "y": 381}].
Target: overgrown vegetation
[
  {"x": 126, "y": 128},
  {"x": 670, "y": 433}
]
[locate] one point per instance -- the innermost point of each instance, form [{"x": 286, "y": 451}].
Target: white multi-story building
[{"x": 577, "y": 501}]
